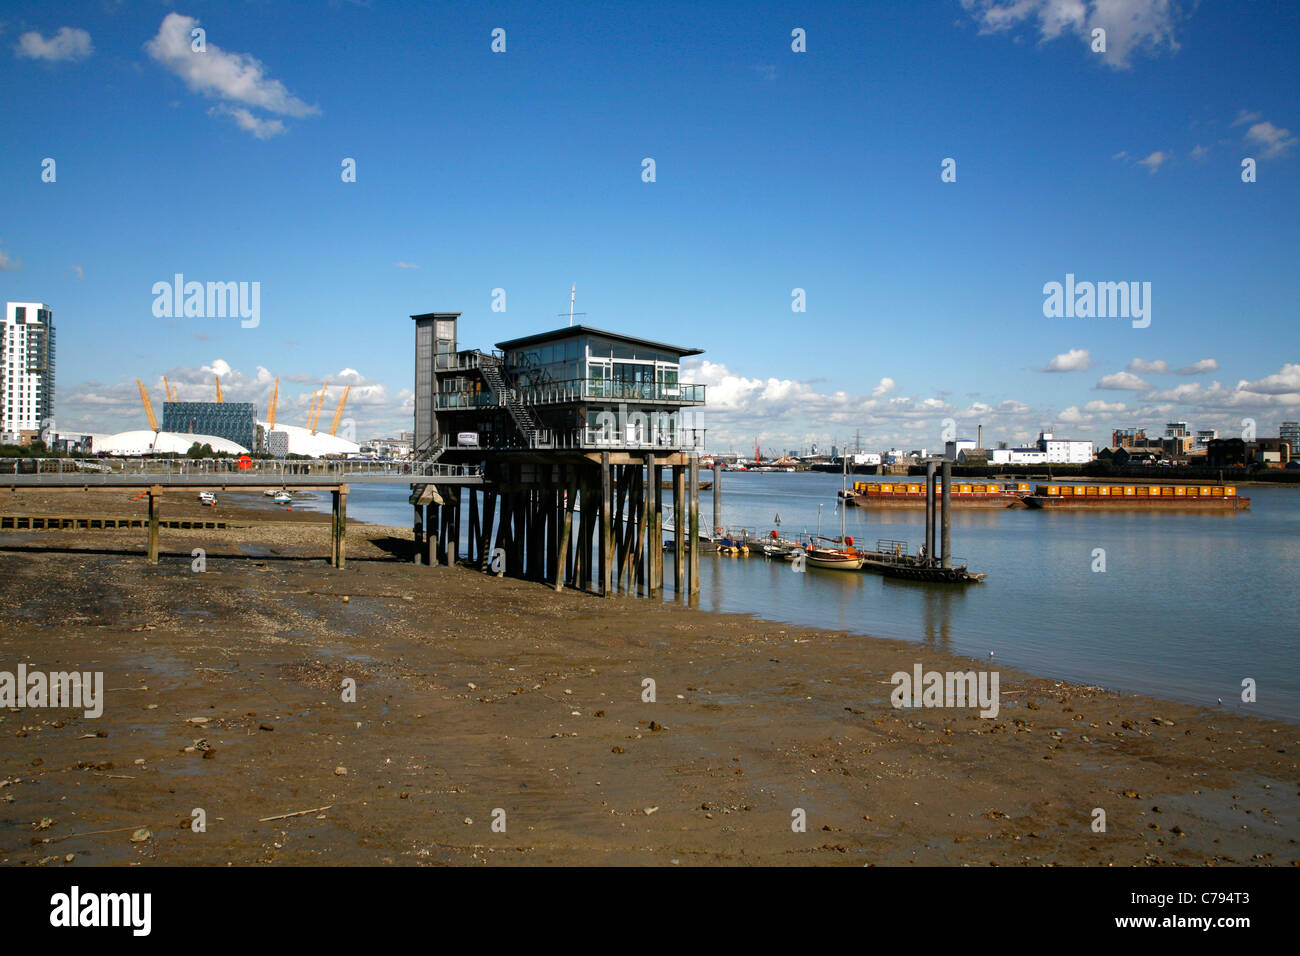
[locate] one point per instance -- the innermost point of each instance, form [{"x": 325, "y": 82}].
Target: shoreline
[{"x": 476, "y": 694}]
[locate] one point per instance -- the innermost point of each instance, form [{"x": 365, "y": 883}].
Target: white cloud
[
  {"x": 7, "y": 264},
  {"x": 1155, "y": 161},
  {"x": 247, "y": 121},
  {"x": 1104, "y": 407},
  {"x": 1075, "y": 360},
  {"x": 1143, "y": 367},
  {"x": 1199, "y": 152},
  {"x": 1072, "y": 415},
  {"x": 70, "y": 43},
  {"x": 1275, "y": 142},
  {"x": 1124, "y": 381},
  {"x": 236, "y": 77},
  {"x": 886, "y": 386},
  {"x": 407, "y": 265},
  {"x": 1284, "y": 382},
  {"x": 79, "y": 272},
  {"x": 1198, "y": 368},
  {"x": 1245, "y": 116},
  {"x": 1130, "y": 25}
]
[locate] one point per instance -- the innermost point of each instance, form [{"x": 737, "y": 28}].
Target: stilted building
[{"x": 575, "y": 429}]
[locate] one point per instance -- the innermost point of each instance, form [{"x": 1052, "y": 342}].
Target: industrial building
[
  {"x": 26, "y": 371},
  {"x": 233, "y": 421}
]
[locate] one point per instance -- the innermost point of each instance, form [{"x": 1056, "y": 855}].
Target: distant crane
[
  {"x": 311, "y": 412},
  {"x": 338, "y": 414},
  {"x": 148, "y": 408},
  {"x": 219, "y": 398},
  {"x": 270, "y": 409},
  {"x": 168, "y": 390}
]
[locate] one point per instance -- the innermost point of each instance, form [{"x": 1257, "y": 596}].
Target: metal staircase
[{"x": 508, "y": 396}]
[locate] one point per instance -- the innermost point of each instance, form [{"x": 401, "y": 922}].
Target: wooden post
[
  {"x": 485, "y": 530},
  {"x": 417, "y": 532},
  {"x": 341, "y": 527},
  {"x": 431, "y": 535},
  {"x": 565, "y": 531},
  {"x": 693, "y": 549},
  {"x": 472, "y": 539},
  {"x": 642, "y": 527},
  {"x": 453, "y": 543},
  {"x": 606, "y": 529},
  {"x": 679, "y": 529},
  {"x": 154, "y": 492},
  {"x": 657, "y": 523}
]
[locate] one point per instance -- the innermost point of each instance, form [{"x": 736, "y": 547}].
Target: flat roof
[
  {"x": 437, "y": 315},
  {"x": 576, "y": 330}
]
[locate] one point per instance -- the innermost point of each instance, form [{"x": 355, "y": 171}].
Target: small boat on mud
[
  {"x": 207, "y": 498},
  {"x": 283, "y": 498}
]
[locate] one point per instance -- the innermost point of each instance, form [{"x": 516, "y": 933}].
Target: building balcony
[
  {"x": 596, "y": 439},
  {"x": 581, "y": 390}
]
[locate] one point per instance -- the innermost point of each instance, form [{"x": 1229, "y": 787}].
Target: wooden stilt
[
  {"x": 341, "y": 527},
  {"x": 155, "y": 493},
  {"x": 561, "y": 566},
  {"x": 417, "y": 532},
  {"x": 679, "y": 530},
  {"x": 642, "y": 527},
  {"x": 693, "y": 549},
  {"x": 606, "y": 528},
  {"x": 657, "y": 533}
]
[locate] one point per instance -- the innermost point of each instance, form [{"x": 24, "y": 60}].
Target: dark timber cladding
[{"x": 574, "y": 429}]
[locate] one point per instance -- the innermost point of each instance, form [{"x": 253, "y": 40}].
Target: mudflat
[{"x": 442, "y": 715}]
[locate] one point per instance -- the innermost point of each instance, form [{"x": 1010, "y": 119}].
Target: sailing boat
[{"x": 842, "y": 558}]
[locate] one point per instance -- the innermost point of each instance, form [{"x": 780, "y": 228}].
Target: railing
[
  {"x": 602, "y": 439},
  {"x": 577, "y": 390},
  {"x": 459, "y": 361},
  {"x": 323, "y": 467}
]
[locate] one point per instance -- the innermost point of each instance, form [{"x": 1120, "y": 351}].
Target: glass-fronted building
[
  {"x": 235, "y": 421},
  {"x": 578, "y": 388}
]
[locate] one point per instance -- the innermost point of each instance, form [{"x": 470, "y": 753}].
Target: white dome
[
  {"x": 144, "y": 442},
  {"x": 303, "y": 442}
]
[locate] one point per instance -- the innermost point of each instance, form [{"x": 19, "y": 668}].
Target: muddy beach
[{"x": 480, "y": 700}]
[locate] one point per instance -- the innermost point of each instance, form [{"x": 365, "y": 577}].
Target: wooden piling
[
  {"x": 693, "y": 551},
  {"x": 155, "y": 492},
  {"x": 606, "y": 529},
  {"x": 679, "y": 530},
  {"x": 566, "y": 530}
]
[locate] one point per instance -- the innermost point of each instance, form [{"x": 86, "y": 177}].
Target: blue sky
[{"x": 775, "y": 170}]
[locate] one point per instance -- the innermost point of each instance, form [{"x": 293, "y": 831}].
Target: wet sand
[{"x": 476, "y": 694}]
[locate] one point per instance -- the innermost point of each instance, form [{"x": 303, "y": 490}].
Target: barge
[
  {"x": 877, "y": 494},
  {"x": 1137, "y": 498}
]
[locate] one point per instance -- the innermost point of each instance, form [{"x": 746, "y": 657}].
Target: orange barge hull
[
  {"x": 918, "y": 501},
  {"x": 1125, "y": 503}
]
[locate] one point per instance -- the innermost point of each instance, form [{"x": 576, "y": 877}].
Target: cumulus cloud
[
  {"x": 886, "y": 386},
  {"x": 1272, "y": 140},
  {"x": 1287, "y": 381},
  {"x": 1246, "y": 116},
  {"x": 1199, "y": 368},
  {"x": 1143, "y": 367},
  {"x": 1130, "y": 25},
  {"x": 1075, "y": 360},
  {"x": 1104, "y": 407},
  {"x": 8, "y": 264},
  {"x": 236, "y": 78},
  {"x": 1123, "y": 381},
  {"x": 70, "y": 43}
]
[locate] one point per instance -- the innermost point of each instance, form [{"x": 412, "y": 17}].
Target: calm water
[{"x": 1189, "y": 604}]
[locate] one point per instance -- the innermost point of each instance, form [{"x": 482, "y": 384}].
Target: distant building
[
  {"x": 233, "y": 421},
  {"x": 952, "y": 449},
  {"x": 1019, "y": 456},
  {"x": 1065, "y": 451},
  {"x": 277, "y": 444},
  {"x": 1177, "y": 430},
  {"x": 1270, "y": 452},
  {"x": 27, "y": 368},
  {"x": 1128, "y": 437},
  {"x": 1289, "y": 432},
  {"x": 1205, "y": 436}
]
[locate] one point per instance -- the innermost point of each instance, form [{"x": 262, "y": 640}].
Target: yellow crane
[
  {"x": 218, "y": 378},
  {"x": 338, "y": 414},
  {"x": 148, "y": 409},
  {"x": 311, "y": 412},
  {"x": 168, "y": 390},
  {"x": 270, "y": 410},
  {"x": 324, "y": 386}
]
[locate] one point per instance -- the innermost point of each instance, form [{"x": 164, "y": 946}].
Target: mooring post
[
  {"x": 679, "y": 530},
  {"x": 653, "y": 541},
  {"x": 341, "y": 522},
  {"x": 693, "y": 549},
  {"x": 606, "y": 529},
  {"x": 947, "y": 510},
  {"x": 717, "y": 497},
  {"x": 657, "y": 531},
  {"x": 155, "y": 491},
  {"x": 431, "y": 535},
  {"x": 929, "y": 512}
]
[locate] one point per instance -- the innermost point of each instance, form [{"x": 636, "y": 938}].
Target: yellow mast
[
  {"x": 218, "y": 378},
  {"x": 270, "y": 411},
  {"x": 311, "y": 412},
  {"x": 148, "y": 409},
  {"x": 168, "y": 390},
  {"x": 338, "y": 414},
  {"x": 324, "y": 386}
]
